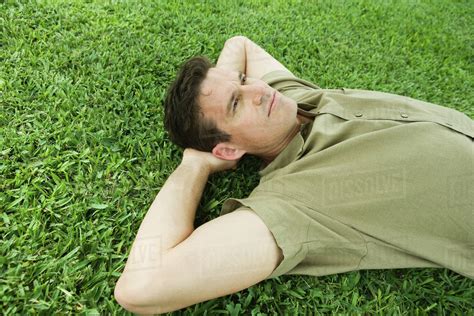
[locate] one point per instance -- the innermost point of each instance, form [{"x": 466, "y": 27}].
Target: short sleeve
[{"x": 284, "y": 228}]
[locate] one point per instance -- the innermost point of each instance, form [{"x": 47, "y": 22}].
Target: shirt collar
[{"x": 293, "y": 150}]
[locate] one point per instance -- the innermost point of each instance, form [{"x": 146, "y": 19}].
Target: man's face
[{"x": 258, "y": 118}]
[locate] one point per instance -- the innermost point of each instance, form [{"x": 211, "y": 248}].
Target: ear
[{"x": 226, "y": 151}]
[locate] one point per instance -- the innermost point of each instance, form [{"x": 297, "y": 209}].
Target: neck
[{"x": 271, "y": 155}]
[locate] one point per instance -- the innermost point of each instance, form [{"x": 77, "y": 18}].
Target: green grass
[{"x": 83, "y": 151}]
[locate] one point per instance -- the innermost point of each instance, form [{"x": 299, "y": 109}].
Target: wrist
[{"x": 195, "y": 164}]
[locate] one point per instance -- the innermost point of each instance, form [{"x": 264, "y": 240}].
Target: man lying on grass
[{"x": 353, "y": 180}]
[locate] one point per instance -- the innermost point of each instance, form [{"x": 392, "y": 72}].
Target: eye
[
  {"x": 234, "y": 105},
  {"x": 243, "y": 78}
]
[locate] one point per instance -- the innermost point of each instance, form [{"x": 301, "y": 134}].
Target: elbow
[
  {"x": 138, "y": 298},
  {"x": 129, "y": 299},
  {"x": 237, "y": 39}
]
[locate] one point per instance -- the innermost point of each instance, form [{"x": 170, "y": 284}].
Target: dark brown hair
[{"x": 184, "y": 120}]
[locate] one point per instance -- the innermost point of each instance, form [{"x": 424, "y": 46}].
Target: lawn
[{"x": 83, "y": 151}]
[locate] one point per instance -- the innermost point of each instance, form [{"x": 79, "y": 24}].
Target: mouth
[{"x": 271, "y": 103}]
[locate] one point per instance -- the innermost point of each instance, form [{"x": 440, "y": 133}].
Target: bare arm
[
  {"x": 170, "y": 218},
  {"x": 172, "y": 265},
  {"x": 241, "y": 54}
]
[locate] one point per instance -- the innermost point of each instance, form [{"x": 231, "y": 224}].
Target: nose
[
  {"x": 254, "y": 93},
  {"x": 257, "y": 100}
]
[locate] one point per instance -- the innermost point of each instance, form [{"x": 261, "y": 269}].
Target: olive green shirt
[{"x": 374, "y": 181}]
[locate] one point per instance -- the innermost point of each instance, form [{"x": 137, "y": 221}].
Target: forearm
[
  {"x": 170, "y": 218},
  {"x": 168, "y": 222}
]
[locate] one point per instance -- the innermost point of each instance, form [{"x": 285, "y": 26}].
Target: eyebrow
[{"x": 233, "y": 96}]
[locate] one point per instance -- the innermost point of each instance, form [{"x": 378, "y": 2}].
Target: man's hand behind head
[{"x": 206, "y": 160}]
